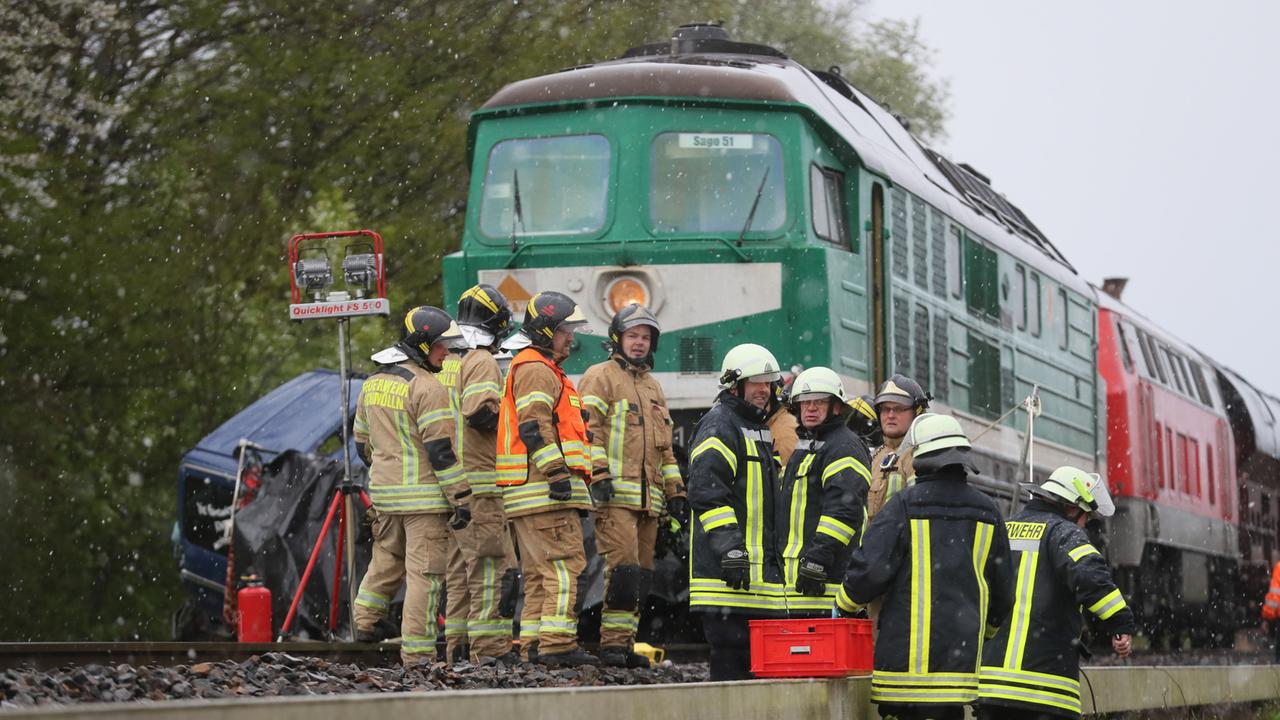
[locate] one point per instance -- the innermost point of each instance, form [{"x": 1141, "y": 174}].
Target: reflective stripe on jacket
[
  {"x": 1033, "y": 662},
  {"x": 938, "y": 556},
  {"x": 404, "y": 416},
  {"x": 631, "y": 434},
  {"x": 540, "y": 396},
  {"x": 733, "y": 490},
  {"x": 824, "y": 501}
]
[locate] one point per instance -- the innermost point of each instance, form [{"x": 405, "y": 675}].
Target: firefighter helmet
[
  {"x": 485, "y": 308},
  {"x": 904, "y": 391},
  {"x": 1075, "y": 487},
  {"x": 748, "y": 362},
  {"x": 932, "y": 432},
  {"x": 425, "y": 326},
  {"x": 816, "y": 382},
  {"x": 630, "y": 316},
  {"x": 549, "y": 311},
  {"x": 864, "y": 421}
]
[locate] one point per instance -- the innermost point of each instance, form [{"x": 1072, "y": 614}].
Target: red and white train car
[{"x": 1171, "y": 466}]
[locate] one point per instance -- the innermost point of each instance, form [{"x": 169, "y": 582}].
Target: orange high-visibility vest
[
  {"x": 1271, "y": 604},
  {"x": 571, "y": 429}
]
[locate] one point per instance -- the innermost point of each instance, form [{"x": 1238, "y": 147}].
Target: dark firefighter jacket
[
  {"x": 938, "y": 554},
  {"x": 1033, "y": 662},
  {"x": 824, "y": 506},
  {"x": 733, "y": 490}
]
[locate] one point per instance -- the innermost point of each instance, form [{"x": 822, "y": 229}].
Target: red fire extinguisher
[{"x": 254, "y": 603}]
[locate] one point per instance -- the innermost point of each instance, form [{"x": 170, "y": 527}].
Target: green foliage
[{"x": 154, "y": 160}]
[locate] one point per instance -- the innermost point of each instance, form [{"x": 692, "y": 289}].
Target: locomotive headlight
[{"x": 624, "y": 290}]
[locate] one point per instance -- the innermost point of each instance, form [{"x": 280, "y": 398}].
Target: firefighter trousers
[
  {"x": 385, "y": 572},
  {"x": 625, "y": 538},
  {"x": 479, "y": 555},
  {"x": 552, "y": 558}
]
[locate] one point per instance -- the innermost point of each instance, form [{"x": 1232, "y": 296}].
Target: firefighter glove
[
  {"x": 735, "y": 569},
  {"x": 678, "y": 508},
  {"x": 461, "y": 517},
  {"x": 560, "y": 489},
  {"x": 602, "y": 489},
  {"x": 811, "y": 578}
]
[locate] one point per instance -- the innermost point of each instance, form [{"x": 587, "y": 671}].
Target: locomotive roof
[{"x": 881, "y": 142}]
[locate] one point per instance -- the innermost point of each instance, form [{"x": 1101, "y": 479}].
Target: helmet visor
[
  {"x": 1102, "y": 496},
  {"x": 764, "y": 378}
]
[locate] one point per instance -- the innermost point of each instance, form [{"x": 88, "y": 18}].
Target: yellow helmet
[
  {"x": 1074, "y": 486},
  {"x": 932, "y": 432}
]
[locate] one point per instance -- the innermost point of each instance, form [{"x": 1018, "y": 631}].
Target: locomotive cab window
[
  {"x": 546, "y": 186},
  {"x": 709, "y": 182},
  {"x": 827, "y": 190}
]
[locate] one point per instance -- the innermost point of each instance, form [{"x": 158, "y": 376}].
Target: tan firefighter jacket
[
  {"x": 890, "y": 472},
  {"x": 476, "y": 383},
  {"x": 404, "y": 417},
  {"x": 631, "y": 434},
  {"x": 785, "y": 429}
]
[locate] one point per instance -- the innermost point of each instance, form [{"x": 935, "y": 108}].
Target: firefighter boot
[
  {"x": 569, "y": 658},
  {"x": 622, "y": 657}
]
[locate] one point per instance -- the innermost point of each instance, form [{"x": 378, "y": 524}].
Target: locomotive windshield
[
  {"x": 707, "y": 182},
  {"x": 558, "y": 185}
]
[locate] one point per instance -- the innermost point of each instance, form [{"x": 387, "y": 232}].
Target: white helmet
[
  {"x": 1074, "y": 486},
  {"x": 932, "y": 432},
  {"x": 815, "y": 383},
  {"x": 748, "y": 362}
]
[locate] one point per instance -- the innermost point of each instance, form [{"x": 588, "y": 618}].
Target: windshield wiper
[
  {"x": 518, "y": 214},
  {"x": 754, "y": 204}
]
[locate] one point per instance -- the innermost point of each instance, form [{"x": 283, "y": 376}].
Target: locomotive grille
[{"x": 696, "y": 354}]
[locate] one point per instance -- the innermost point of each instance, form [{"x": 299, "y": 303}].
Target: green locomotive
[{"x": 744, "y": 197}]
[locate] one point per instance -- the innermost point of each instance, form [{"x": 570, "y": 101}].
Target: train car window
[
  {"x": 955, "y": 276},
  {"x": 560, "y": 184},
  {"x": 1160, "y": 454},
  {"x": 981, "y": 284},
  {"x": 1019, "y": 296},
  {"x": 1064, "y": 340},
  {"x": 708, "y": 182},
  {"x": 827, "y": 190},
  {"x": 1036, "y": 305},
  {"x": 1186, "y": 374},
  {"x": 1147, "y": 360},
  {"x": 1167, "y": 355},
  {"x": 1202, "y": 387},
  {"x": 1125, "y": 356},
  {"x": 1151, "y": 350}
]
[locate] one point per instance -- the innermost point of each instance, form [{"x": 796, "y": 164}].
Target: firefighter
[
  {"x": 824, "y": 493},
  {"x": 543, "y": 467},
  {"x": 1031, "y": 668},
  {"x": 404, "y": 429},
  {"x": 635, "y": 477},
  {"x": 899, "y": 402},
  {"x": 1271, "y": 610},
  {"x": 733, "y": 485},
  {"x": 938, "y": 555},
  {"x": 482, "y": 578}
]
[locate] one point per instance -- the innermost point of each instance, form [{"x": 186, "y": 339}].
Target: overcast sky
[{"x": 1142, "y": 138}]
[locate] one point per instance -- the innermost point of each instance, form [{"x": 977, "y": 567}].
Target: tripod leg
[
  {"x": 311, "y": 564},
  {"x": 337, "y": 569}
]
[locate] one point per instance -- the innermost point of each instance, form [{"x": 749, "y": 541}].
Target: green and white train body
[{"x": 866, "y": 253}]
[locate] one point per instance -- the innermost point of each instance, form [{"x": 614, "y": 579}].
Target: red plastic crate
[{"x": 824, "y": 647}]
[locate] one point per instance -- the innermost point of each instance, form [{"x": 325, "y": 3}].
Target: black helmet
[
  {"x": 548, "y": 312},
  {"x": 864, "y": 421},
  {"x": 425, "y": 326},
  {"x": 634, "y": 315},
  {"x": 905, "y": 391},
  {"x": 484, "y": 307}
]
